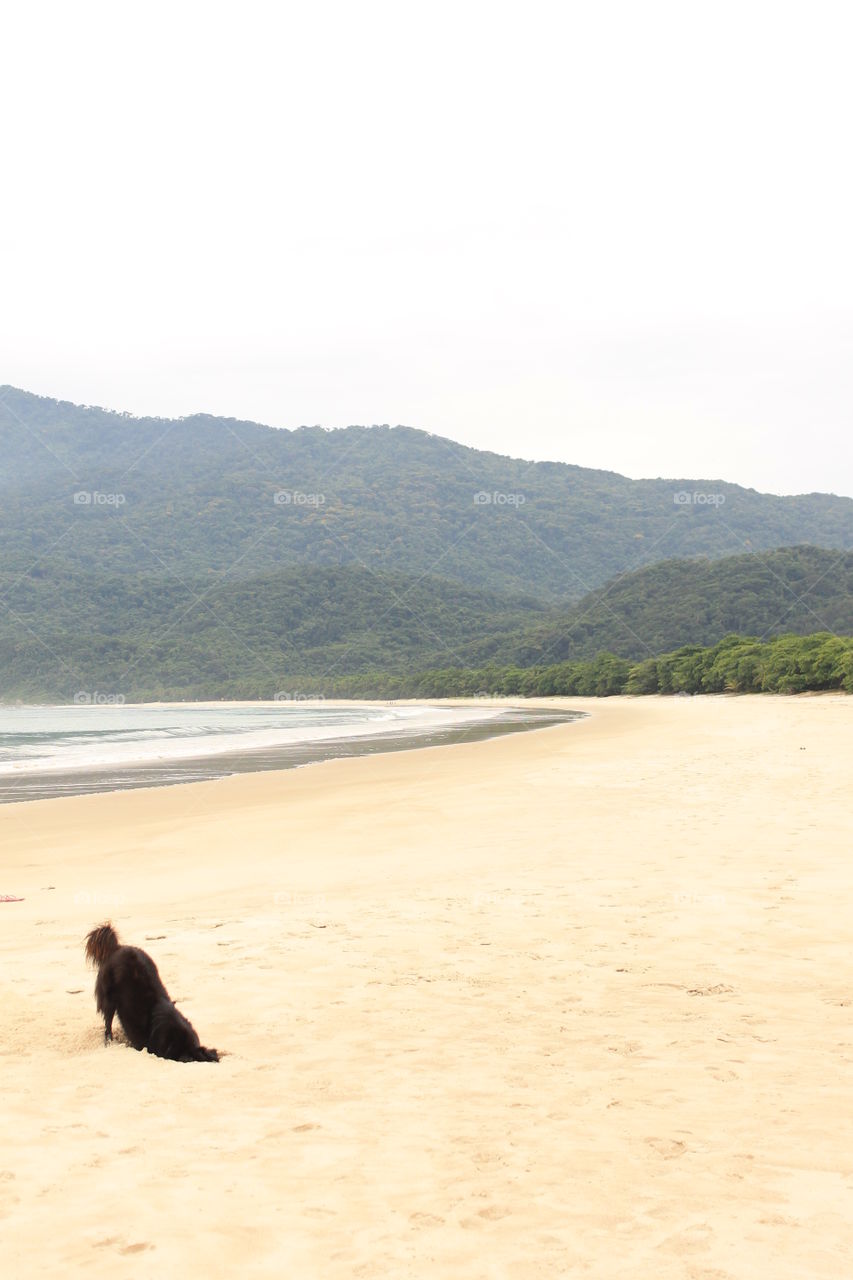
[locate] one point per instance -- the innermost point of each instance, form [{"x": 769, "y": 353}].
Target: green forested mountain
[
  {"x": 677, "y": 602},
  {"x": 145, "y": 638},
  {"x": 321, "y": 628},
  {"x": 207, "y": 557},
  {"x": 197, "y": 497}
]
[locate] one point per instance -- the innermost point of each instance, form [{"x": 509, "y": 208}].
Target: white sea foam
[{"x": 38, "y": 740}]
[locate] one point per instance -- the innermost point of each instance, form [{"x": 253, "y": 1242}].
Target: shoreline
[
  {"x": 178, "y": 768},
  {"x": 544, "y": 1004}
]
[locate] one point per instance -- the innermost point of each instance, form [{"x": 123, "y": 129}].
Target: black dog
[{"x": 129, "y": 985}]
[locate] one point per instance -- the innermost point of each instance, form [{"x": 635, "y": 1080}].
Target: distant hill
[
  {"x": 796, "y": 590},
  {"x": 196, "y": 497}
]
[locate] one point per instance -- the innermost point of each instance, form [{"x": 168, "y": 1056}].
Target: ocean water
[
  {"x": 65, "y": 750},
  {"x": 46, "y": 739}
]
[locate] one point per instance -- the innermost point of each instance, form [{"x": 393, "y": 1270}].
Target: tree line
[{"x": 737, "y": 664}]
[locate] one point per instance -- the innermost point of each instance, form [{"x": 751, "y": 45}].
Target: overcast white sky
[{"x": 611, "y": 234}]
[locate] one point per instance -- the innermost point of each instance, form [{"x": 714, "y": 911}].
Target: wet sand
[{"x": 574, "y": 1002}]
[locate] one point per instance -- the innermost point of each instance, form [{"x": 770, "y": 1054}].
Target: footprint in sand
[
  {"x": 692, "y": 1239},
  {"x": 669, "y": 1148},
  {"x": 491, "y": 1213},
  {"x": 625, "y": 1049}
]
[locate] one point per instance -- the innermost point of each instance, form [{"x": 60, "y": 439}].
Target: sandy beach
[{"x": 573, "y": 1002}]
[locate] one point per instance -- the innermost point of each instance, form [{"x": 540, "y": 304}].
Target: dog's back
[{"x": 128, "y": 984}]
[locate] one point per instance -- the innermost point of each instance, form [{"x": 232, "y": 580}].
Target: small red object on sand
[{"x": 8, "y": 897}]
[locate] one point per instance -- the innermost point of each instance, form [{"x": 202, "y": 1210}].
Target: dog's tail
[{"x": 101, "y": 943}]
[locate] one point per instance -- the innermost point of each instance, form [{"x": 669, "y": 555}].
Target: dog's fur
[{"x": 129, "y": 985}]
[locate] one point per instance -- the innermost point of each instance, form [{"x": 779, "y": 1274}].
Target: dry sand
[{"x": 574, "y": 1002}]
